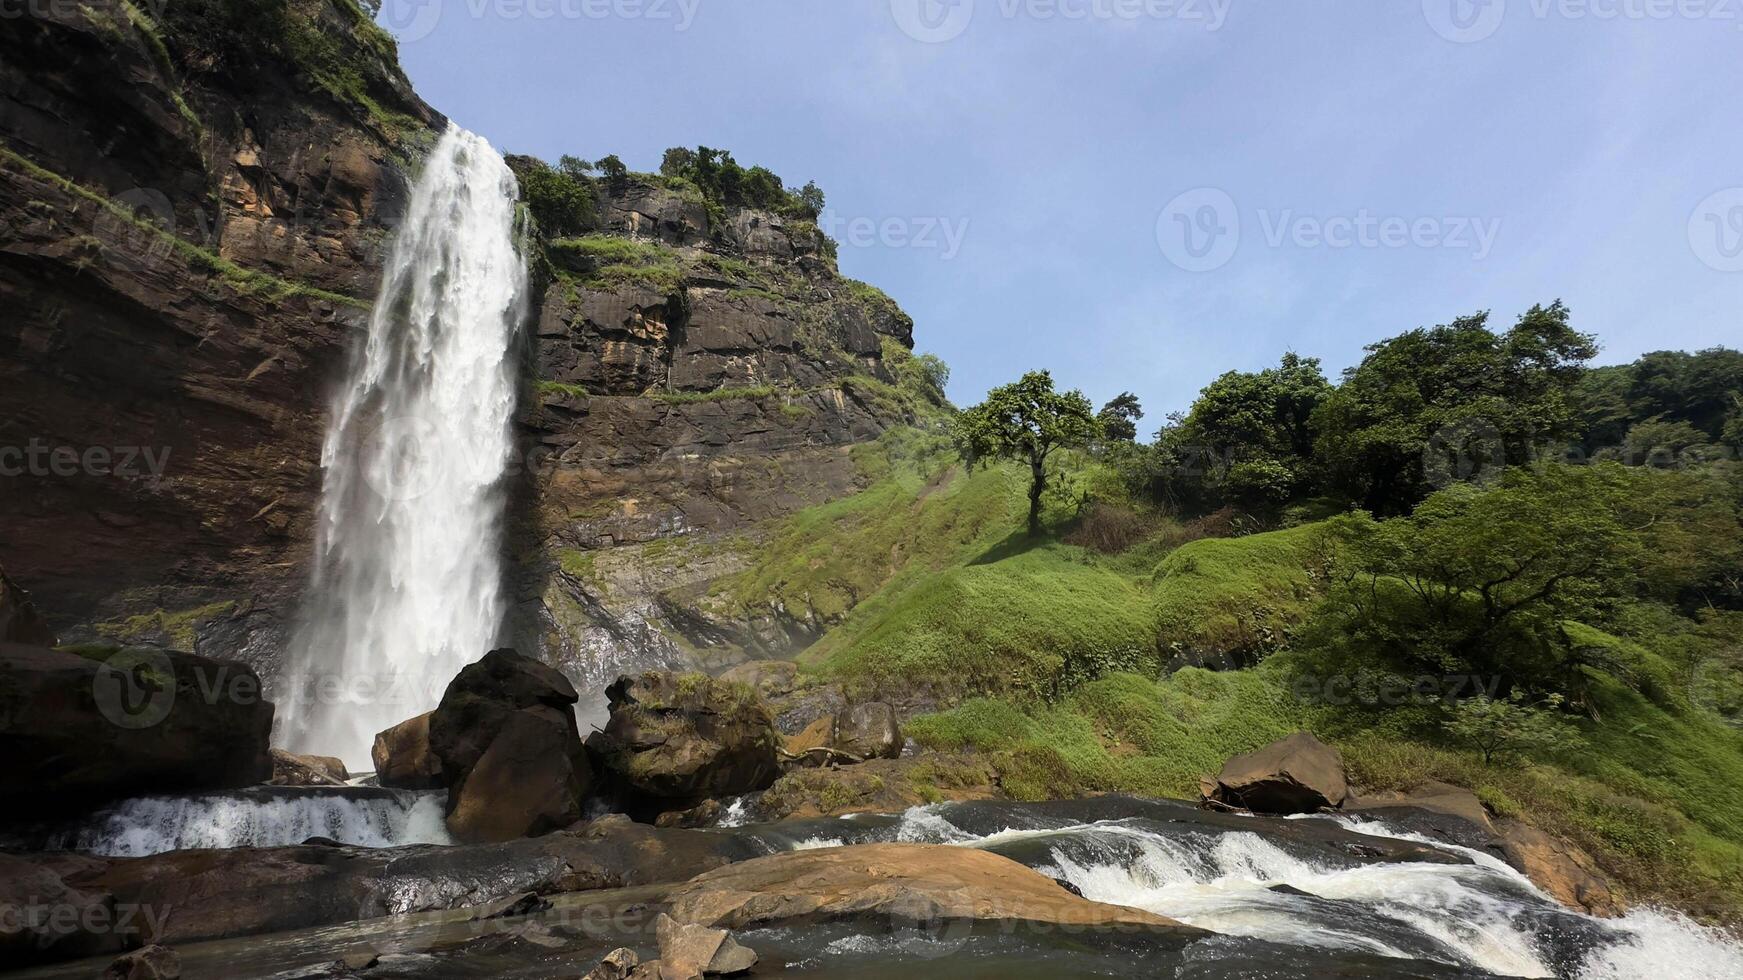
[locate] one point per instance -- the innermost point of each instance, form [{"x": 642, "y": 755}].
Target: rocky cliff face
[{"x": 196, "y": 200}]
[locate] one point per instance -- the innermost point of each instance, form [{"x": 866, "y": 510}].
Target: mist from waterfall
[{"x": 407, "y": 580}]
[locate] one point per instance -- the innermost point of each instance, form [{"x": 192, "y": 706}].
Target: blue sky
[{"x": 1024, "y": 182}]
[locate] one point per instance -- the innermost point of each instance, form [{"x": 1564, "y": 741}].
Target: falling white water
[
  {"x": 407, "y": 581},
  {"x": 154, "y": 824}
]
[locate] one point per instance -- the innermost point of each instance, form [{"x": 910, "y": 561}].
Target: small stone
[
  {"x": 361, "y": 960},
  {"x": 617, "y": 965},
  {"x": 526, "y": 903},
  {"x": 149, "y": 963},
  {"x": 731, "y": 958}
]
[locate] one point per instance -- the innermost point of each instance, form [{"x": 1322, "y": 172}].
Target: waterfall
[
  {"x": 273, "y": 817},
  {"x": 406, "y": 586}
]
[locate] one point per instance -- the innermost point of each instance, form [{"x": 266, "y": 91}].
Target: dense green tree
[
  {"x": 1027, "y": 421},
  {"x": 574, "y": 167},
  {"x": 1119, "y": 417},
  {"x": 1484, "y": 579},
  {"x": 812, "y": 197},
  {"x": 613, "y": 170},
  {"x": 561, "y": 203},
  {"x": 1455, "y": 402},
  {"x": 1702, "y": 390},
  {"x": 1249, "y": 436}
]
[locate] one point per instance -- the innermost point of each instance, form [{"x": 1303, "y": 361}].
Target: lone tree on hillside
[
  {"x": 1120, "y": 417},
  {"x": 1026, "y": 421}
]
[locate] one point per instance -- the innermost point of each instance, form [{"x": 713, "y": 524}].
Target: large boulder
[
  {"x": 868, "y": 731},
  {"x": 77, "y": 730},
  {"x": 19, "y": 620},
  {"x": 675, "y": 740},
  {"x": 402, "y": 756},
  {"x": 509, "y": 750},
  {"x": 290, "y": 769},
  {"x": 904, "y": 885},
  {"x": 1563, "y": 871},
  {"x": 1298, "y": 774}
]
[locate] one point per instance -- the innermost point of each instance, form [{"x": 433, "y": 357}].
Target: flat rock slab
[{"x": 902, "y": 884}]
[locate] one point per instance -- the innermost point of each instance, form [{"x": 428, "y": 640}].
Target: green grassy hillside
[{"x": 1050, "y": 662}]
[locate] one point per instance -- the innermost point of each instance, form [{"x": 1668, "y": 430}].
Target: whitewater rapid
[
  {"x": 407, "y": 581},
  {"x": 1480, "y": 914}
]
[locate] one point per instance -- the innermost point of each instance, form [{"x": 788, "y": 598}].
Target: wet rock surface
[
  {"x": 403, "y": 758},
  {"x": 904, "y": 884},
  {"x": 80, "y": 730}
]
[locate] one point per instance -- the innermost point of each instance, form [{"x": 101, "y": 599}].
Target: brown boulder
[
  {"x": 509, "y": 750},
  {"x": 1298, "y": 774},
  {"x": 402, "y": 756},
  {"x": 290, "y": 769},
  {"x": 530, "y": 781},
  {"x": 690, "y": 952},
  {"x": 150, "y": 963},
  {"x": 903, "y": 884},
  {"x": 1566, "y": 873},
  {"x": 19, "y": 620},
  {"x": 675, "y": 740},
  {"x": 79, "y": 730},
  {"x": 868, "y": 731},
  {"x": 617, "y": 965}
]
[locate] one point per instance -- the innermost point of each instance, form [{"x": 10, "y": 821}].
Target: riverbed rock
[
  {"x": 191, "y": 896},
  {"x": 80, "y": 730},
  {"x": 1564, "y": 871},
  {"x": 1298, "y": 774},
  {"x": 150, "y": 963},
  {"x": 43, "y": 919},
  {"x": 675, "y": 740},
  {"x": 290, "y": 769},
  {"x": 19, "y": 620},
  {"x": 689, "y": 951},
  {"x": 904, "y": 885},
  {"x": 402, "y": 756},
  {"x": 509, "y": 750},
  {"x": 617, "y": 965}
]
